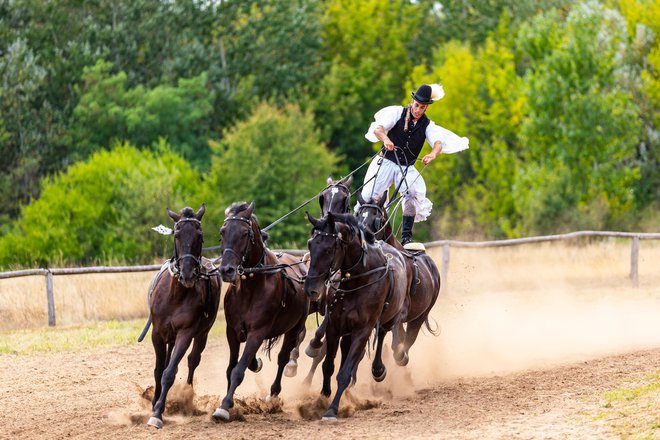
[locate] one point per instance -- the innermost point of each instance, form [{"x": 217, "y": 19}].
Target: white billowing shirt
[{"x": 387, "y": 117}]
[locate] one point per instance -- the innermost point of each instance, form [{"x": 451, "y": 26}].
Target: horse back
[{"x": 271, "y": 303}]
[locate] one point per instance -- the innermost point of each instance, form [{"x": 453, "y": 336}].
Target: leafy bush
[{"x": 102, "y": 210}]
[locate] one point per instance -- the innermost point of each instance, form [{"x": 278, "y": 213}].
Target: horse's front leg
[
  {"x": 160, "y": 348},
  {"x": 195, "y": 356},
  {"x": 356, "y": 351},
  {"x": 291, "y": 368},
  {"x": 378, "y": 370},
  {"x": 331, "y": 343},
  {"x": 181, "y": 344},
  {"x": 291, "y": 339},
  {"x": 316, "y": 343},
  {"x": 237, "y": 374}
]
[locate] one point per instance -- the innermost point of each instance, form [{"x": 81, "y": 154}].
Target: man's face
[{"x": 418, "y": 109}]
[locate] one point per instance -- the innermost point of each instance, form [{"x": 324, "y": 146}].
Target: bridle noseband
[
  {"x": 339, "y": 241},
  {"x": 248, "y": 245},
  {"x": 176, "y": 271}
]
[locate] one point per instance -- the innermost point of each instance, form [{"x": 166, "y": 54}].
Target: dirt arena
[{"x": 530, "y": 361}]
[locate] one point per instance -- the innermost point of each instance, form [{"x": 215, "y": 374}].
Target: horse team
[{"x": 358, "y": 276}]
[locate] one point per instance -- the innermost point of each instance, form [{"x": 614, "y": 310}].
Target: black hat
[{"x": 423, "y": 94}]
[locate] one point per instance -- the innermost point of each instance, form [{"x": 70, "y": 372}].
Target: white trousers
[{"x": 412, "y": 189}]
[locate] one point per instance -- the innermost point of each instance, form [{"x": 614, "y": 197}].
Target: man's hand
[
  {"x": 428, "y": 158},
  {"x": 388, "y": 144}
]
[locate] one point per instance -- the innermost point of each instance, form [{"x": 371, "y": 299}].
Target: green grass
[{"x": 633, "y": 411}]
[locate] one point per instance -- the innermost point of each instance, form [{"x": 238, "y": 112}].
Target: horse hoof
[
  {"x": 329, "y": 419},
  {"x": 403, "y": 361},
  {"x": 221, "y": 414},
  {"x": 260, "y": 364},
  {"x": 155, "y": 422},
  {"x": 291, "y": 369},
  {"x": 379, "y": 377},
  {"x": 312, "y": 352}
]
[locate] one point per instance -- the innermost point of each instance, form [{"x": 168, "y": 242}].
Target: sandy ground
[
  {"x": 529, "y": 340},
  {"x": 496, "y": 371}
]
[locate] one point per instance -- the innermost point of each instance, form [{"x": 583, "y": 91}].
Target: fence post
[
  {"x": 634, "y": 257},
  {"x": 445, "y": 267},
  {"x": 50, "y": 297}
]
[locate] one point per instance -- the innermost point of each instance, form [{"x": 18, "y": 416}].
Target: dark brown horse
[
  {"x": 422, "y": 273},
  {"x": 370, "y": 293},
  {"x": 264, "y": 301},
  {"x": 183, "y": 305},
  {"x": 336, "y": 198}
]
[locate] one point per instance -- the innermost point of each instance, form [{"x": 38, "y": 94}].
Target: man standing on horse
[{"x": 403, "y": 131}]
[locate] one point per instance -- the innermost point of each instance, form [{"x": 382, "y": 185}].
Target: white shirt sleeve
[
  {"x": 451, "y": 142},
  {"x": 386, "y": 117}
]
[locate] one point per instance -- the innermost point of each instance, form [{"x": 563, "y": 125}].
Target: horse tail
[
  {"x": 145, "y": 330},
  {"x": 427, "y": 324},
  {"x": 270, "y": 344}
]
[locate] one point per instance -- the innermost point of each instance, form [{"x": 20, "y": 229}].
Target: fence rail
[{"x": 445, "y": 244}]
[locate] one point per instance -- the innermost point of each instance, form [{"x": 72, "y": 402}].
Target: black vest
[{"x": 411, "y": 142}]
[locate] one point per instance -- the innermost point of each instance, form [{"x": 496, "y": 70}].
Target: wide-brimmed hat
[{"x": 428, "y": 94}]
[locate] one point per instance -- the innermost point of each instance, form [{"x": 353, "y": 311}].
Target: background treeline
[{"x": 111, "y": 111}]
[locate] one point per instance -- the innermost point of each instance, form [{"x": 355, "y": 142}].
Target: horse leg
[
  {"x": 316, "y": 343},
  {"x": 195, "y": 356},
  {"x": 315, "y": 363},
  {"x": 291, "y": 368},
  {"x": 181, "y": 344},
  {"x": 234, "y": 348},
  {"x": 291, "y": 338},
  {"x": 378, "y": 370},
  {"x": 332, "y": 343},
  {"x": 355, "y": 353},
  {"x": 412, "y": 331},
  {"x": 238, "y": 374},
  {"x": 160, "y": 347},
  {"x": 399, "y": 348}
]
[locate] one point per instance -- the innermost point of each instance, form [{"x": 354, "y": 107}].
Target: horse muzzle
[
  {"x": 228, "y": 273},
  {"x": 313, "y": 289}
]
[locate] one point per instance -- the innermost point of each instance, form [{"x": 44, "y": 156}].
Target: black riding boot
[{"x": 406, "y": 229}]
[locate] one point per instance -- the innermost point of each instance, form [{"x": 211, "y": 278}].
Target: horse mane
[
  {"x": 352, "y": 221},
  {"x": 237, "y": 207},
  {"x": 187, "y": 212}
]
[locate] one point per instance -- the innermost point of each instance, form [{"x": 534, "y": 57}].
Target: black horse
[
  {"x": 264, "y": 301},
  {"x": 370, "y": 293},
  {"x": 334, "y": 198},
  {"x": 422, "y": 273},
  {"x": 183, "y": 304}
]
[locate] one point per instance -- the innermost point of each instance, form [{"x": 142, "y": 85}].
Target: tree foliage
[
  {"x": 102, "y": 210},
  {"x": 276, "y": 159}
]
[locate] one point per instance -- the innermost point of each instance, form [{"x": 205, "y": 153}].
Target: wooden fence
[{"x": 445, "y": 244}]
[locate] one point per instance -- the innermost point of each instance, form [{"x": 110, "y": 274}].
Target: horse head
[
  {"x": 188, "y": 240},
  {"x": 336, "y": 197},
  {"x": 334, "y": 240},
  {"x": 372, "y": 215},
  {"x": 241, "y": 240}
]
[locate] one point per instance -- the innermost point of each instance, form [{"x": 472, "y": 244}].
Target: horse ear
[
  {"x": 329, "y": 180},
  {"x": 331, "y": 221},
  {"x": 173, "y": 215},
  {"x": 311, "y": 219},
  {"x": 349, "y": 180},
  {"x": 250, "y": 208},
  {"x": 382, "y": 199},
  {"x": 201, "y": 212},
  {"x": 360, "y": 198},
  {"x": 321, "y": 200}
]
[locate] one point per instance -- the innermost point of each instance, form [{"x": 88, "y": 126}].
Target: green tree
[
  {"x": 581, "y": 130},
  {"x": 102, "y": 210},
  {"x": 109, "y": 110},
  {"x": 276, "y": 159},
  {"x": 366, "y": 45}
]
